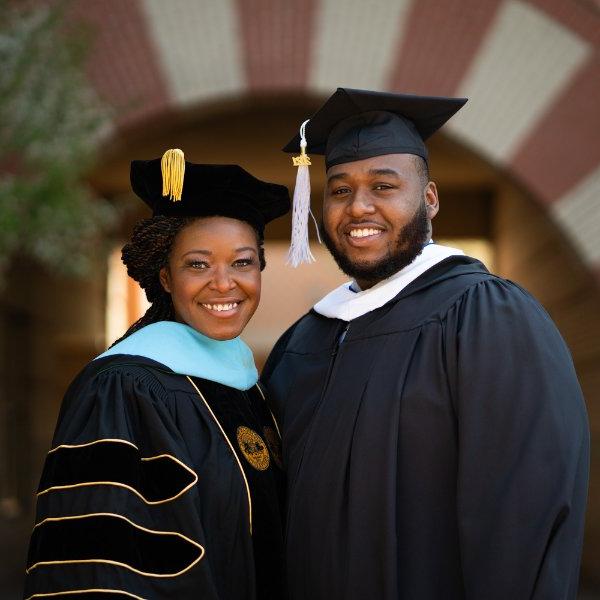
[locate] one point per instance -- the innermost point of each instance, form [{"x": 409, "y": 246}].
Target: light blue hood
[{"x": 188, "y": 352}]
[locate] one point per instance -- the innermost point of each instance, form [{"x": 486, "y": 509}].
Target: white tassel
[{"x": 300, "y": 248}]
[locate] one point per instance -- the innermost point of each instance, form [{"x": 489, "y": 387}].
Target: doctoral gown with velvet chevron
[
  {"x": 143, "y": 496},
  {"x": 439, "y": 451}
]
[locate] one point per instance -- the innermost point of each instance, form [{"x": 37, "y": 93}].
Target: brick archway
[{"x": 530, "y": 67}]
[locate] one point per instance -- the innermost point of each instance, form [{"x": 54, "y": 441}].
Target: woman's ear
[{"x": 165, "y": 279}]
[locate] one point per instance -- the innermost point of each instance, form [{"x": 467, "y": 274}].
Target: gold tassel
[{"x": 172, "y": 166}]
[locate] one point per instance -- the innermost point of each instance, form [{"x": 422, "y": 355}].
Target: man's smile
[{"x": 362, "y": 234}]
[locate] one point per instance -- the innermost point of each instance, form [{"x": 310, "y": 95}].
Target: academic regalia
[
  {"x": 164, "y": 479},
  {"x": 435, "y": 447},
  {"x": 434, "y": 433}
]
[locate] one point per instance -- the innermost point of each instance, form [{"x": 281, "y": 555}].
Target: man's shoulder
[
  {"x": 499, "y": 298},
  {"x": 461, "y": 275},
  {"x": 432, "y": 293},
  {"x": 457, "y": 285},
  {"x": 453, "y": 272}
]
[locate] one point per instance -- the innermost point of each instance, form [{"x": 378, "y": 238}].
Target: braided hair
[{"x": 147, "y": 252}]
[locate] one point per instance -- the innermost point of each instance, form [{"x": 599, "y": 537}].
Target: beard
[{"x": 408, "y": 245}]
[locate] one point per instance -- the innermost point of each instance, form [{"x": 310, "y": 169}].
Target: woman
[{"x": 163, "y": 479}]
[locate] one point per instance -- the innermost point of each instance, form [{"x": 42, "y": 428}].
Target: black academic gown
[
  {"x": 158, "y": 486},
  {"x": 439, "y": 452}
]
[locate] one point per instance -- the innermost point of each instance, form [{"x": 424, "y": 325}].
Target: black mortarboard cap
[
  {"x": 357, "y": 124},
  {"x": 185, "y": 189}
]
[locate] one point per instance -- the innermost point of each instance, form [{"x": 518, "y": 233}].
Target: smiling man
[
  {"x": 379, "y": 211},
  {"x": 434, "y": 432}
]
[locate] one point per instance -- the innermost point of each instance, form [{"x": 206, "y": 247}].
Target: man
[{"x": 434, "y": 432}]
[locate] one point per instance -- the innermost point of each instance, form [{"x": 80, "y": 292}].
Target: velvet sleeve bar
[{"x": 117, "y": 501}]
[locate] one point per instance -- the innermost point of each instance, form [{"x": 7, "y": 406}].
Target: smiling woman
[
  {"x": 213, "y": 276},
  {"x": 120, "y": 508}
]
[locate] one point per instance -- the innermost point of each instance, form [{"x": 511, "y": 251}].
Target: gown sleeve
[
  {"x": 523, "y": 447},
  {"x": 116, "y": 514}
]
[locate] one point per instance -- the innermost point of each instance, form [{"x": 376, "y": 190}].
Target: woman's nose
[{"x": 222, "y": 280}]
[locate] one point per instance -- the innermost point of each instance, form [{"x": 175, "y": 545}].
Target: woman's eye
[
  {"x": 244, "y": 262},
  {"x": 198, "y": 264}
]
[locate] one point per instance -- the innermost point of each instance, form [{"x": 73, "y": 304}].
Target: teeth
[
  {"x": 221, "y": 307},
  {"x": 358, "y": 233}
]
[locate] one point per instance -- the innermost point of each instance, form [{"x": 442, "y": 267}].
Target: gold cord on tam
[{"x": 172, "y": 166}]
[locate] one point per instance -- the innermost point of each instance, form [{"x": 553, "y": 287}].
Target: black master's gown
[
  {"x": 152, "y": 487},
  {"x": 440, "y": 452}
]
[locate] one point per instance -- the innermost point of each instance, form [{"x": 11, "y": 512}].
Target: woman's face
[{"x": 213, "y": 276}]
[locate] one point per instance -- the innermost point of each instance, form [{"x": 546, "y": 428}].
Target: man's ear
[
  {"x": 432, "y": 204},
  {"x": 165, "y": 279}
]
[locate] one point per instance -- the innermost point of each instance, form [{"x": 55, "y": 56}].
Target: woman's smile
[{"x": 222, "y": 308}]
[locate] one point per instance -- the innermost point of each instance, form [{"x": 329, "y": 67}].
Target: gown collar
[
  {"x": 348, "y": 302},
  {"x": 188, "y": 352}
]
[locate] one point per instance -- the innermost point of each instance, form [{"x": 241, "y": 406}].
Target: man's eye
[
  {"x": 340, "y": 191},
  {"x": 383, "y": 186}
]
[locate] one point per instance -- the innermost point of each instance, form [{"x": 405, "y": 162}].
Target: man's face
[{"x": 376, "y": 215}]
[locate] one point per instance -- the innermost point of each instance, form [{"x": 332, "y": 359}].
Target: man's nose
[{"x": 361, "y": 204}]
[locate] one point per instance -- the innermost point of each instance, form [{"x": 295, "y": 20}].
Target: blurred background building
[{"x": 518, "y": 171}]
